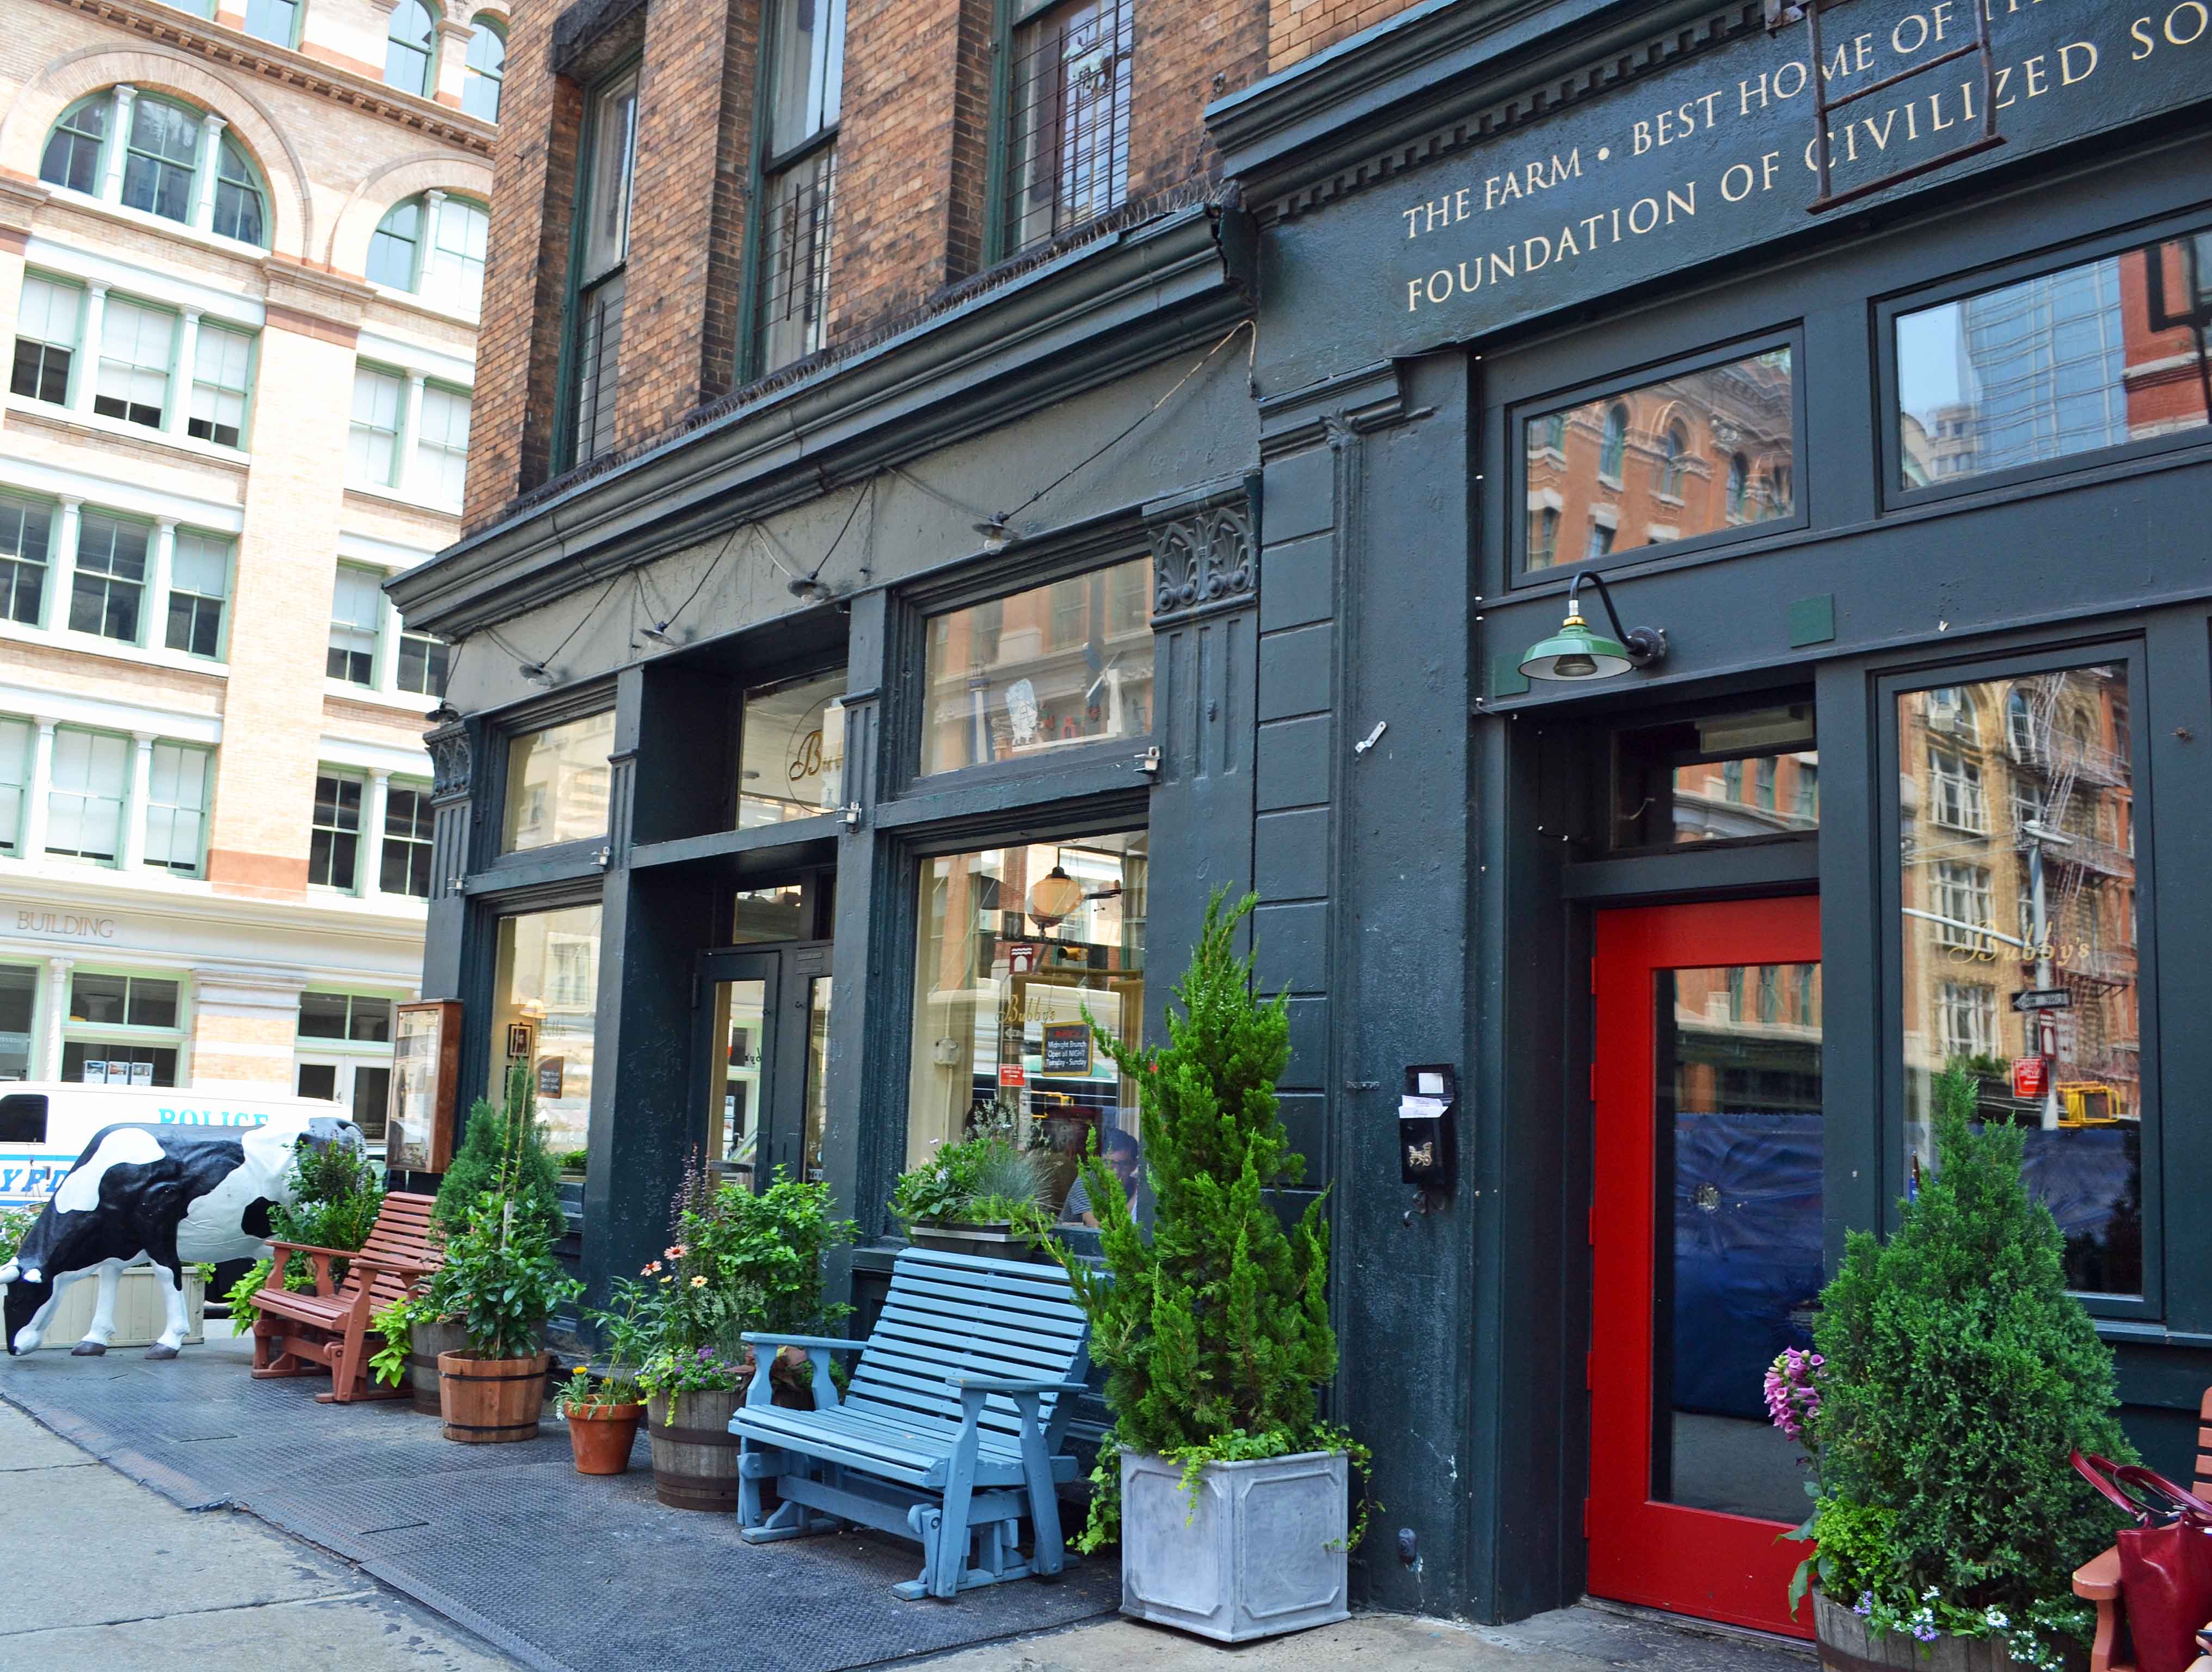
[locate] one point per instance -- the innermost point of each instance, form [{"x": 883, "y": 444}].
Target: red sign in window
[{"x": 1012, "y": 1074}]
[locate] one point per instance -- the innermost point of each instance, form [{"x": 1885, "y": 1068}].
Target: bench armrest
[
  {"x": 309, "y": 1248},
  {"x": 412, "y": 1268},
  {"x": 822, "y": 1343},
  {"x": 1001, "y": 1384}
]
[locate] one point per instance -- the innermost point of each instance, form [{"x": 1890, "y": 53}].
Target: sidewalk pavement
[{"x": 102, "y": 1573}]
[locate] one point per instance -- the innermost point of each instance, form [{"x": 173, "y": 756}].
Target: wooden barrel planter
[
  {"x": 491, "y": 1401},
  {"x": 424, "y": 1345},
  {"x": 695, "y": 1454},
  {"x": 1846, "y": 1646}
]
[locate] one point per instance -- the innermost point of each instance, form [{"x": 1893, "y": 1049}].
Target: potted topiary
[
  {"x": 501, "y": 1283},
  {"x": 1954, "y": 1373},
  {"x": 1230, "y": 1492},
  {"x": 970, "y": 1197},
  {"x": 737, "y": 1260}
]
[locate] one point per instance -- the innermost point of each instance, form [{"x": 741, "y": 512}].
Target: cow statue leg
[
  {"x": 32, "y": 1334},
  {"x": 180, "y": 1321},
  {"x": 102, "y": 1332}
]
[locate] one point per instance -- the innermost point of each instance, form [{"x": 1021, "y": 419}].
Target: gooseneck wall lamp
[{"x": 1575, "y": 652}]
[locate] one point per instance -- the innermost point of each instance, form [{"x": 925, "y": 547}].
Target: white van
[{"x": 44, "y": 1125}]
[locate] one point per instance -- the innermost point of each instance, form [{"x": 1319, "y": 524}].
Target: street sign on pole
[{"x": 2044, "y": 998}]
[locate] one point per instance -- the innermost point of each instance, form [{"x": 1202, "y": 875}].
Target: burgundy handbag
[{"x": 2165, "y": 1560}]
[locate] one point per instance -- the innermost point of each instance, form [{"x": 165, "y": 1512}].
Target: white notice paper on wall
[{"x": 1420, "y": 1108}]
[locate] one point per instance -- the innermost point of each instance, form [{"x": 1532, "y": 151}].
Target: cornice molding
[
  {"x": 1445, "y": 77},
  {"x": 294, "y": 70},
  {"x": 1102, "y": 312}
]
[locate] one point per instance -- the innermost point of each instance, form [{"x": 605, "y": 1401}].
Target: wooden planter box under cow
[
  {"x": 142, "y": 1312},
  {"x": 296, "y": 1334}
]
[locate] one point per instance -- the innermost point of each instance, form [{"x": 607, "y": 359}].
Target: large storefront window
[
  {"x": 122, "y": 1029},
  {"x": 2019, "y": 896},
  {"x": 19, "y": 1004},
  {"x": 544, "y": 999},
  {"x": 1700, "y": 452},
  {"x": 1015, "y": 944},
  {"x": 792, "y": 750},
  {"x": 1069, "y": 662},
  {"x": 2088, "y": 358},
  {"x": 556, "y": 783}
]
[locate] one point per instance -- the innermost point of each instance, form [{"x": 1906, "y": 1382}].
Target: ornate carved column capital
[
  {"x": 451, "y": 761},
  {"x": 1206, "y": 552}
]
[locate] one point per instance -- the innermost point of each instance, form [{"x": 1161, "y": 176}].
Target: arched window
[
  {"x": 486, "y": 69},
  {"x": 1616, "y": 441},
  {"x": 434, "y": 245},
  {"x": 1678, "y": 447},
  {"x": 177, "y": 163},
  {"x": 1738, "y": 484},
  {"x": 2020, "y": 725},
  {"x": 407, "y": 47}
]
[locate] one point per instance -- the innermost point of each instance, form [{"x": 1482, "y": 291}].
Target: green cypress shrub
[
  {"x": 1214, "y": 1333},
  {"x": 1959, "y": 1373},
  {"x": 494, "y": 1134}
]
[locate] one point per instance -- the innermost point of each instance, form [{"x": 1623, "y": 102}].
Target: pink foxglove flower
[{"x": 1793, "y": 1391}]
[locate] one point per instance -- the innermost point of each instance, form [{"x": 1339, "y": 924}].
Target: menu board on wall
[
  {"x": 1067, "y": 1047},
  {"x": 426, "y": 1066}
]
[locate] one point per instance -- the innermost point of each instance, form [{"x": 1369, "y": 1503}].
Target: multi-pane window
[
  {"x": 134, "y": 346},
  {"x": 199, "y": 582},
  {"x": 222, "y": 363},
  {"x": 395, "y": 246},
  {"x": 351, "y": 1016},
  {"x": 240, "y": 209},
  {"x": 1067, "y": 123},
  {"x": 273, "y": 19},
  {"x": 422, "y": 661},
  {"x": 407, "y": 47},
  {"x": 26, "y": 534},
  {"x": 84, "y": 806},
  {"x": 176, "y": 807},
  {"x": 1543, "y": 536},
  {"x": 1968, "y": 1015},
  {"x": 1964, "y": 905},
  {"x": 442, "y": 446},
  {"x": 1955, "y": 791},
  {"x": 487, "y": 69},
  {"x": 46, "y": 327},
  {"x": 161, "y": 161},
  {"x": 597, "y": 352},
  {"x": 72, "y": 154},
  {"x": 1616, "y": 448},
  {"x": 14, "y": 781},
  {"x": 122, "y": 1001},
  {"x": 806, "y": 73},
  {"x": 103, "y": 1040},
  {"x": 356, "y": 610},
  {"x": 110, "y": 577},
  {"x": 452, "y": 272},
  {"x": 334, "y": 843},
  {"x": 407, "y": 821},
  {"x": 373, "y": 447}
]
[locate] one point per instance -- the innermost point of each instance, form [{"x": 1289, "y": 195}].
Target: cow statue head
[{"x": 167, "y": 1196}]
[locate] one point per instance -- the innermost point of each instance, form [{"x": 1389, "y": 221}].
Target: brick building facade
[{"x": 241, "y": 248}]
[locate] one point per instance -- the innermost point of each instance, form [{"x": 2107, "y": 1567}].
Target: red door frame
[{"x": 1697, "y": 1562}]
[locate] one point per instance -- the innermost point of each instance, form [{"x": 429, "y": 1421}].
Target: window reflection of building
[
  {"x": 1693, "y": 454},
  {"x": 545, "y": 1007},
  {"x": 556, "y": 783},
  {"x": 2016, "y": 878},
  {"x": 992, "y": 975},
  {"x": 792, "y": 750},
  {"x": 1064, "y": 663}
]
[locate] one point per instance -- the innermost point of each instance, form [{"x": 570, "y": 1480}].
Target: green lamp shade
[{"x": 1575, "y": 652}]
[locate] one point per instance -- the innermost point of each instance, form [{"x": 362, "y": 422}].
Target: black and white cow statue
[{"x": 167, "y": 1196}]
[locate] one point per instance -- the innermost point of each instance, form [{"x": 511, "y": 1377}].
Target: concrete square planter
[{"x": 1261, "y": 1552}]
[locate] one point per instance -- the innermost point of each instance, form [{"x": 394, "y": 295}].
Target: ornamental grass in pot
[
  {"x": 1218, "y": 1471},
  {"x": 978, "y": 1195},
  {"x": 737, "y": 1260},
  {"x": 1954, "y": 1375}
]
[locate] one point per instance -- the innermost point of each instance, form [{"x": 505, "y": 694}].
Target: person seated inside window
[{"x": 1121, "y": 1153}]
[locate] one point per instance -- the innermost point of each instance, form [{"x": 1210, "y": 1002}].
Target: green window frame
[{"x": 597, "y": 271}]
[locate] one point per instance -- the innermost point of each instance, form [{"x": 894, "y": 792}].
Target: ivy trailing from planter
[{"x": 1214, "y": 1331}]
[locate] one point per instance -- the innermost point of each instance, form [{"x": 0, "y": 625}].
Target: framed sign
[
  {"x": 426, "y": 1073},
  {"x": 1066, "y": 1048},
  {"x": 518, "y": 1041},
  {"x": 549, "y": 1073}
]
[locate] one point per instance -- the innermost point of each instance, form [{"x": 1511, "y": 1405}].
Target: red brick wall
[
  {"x": 525, "y": 271},
  {"x": 1299, "y": 28}
]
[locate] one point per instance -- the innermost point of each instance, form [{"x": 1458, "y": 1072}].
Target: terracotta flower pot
[
  {"x": 601, "y": 1437},
  {"x": 490, "y": 1401}
]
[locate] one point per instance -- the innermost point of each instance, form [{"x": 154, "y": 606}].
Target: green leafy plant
[
  {"x": 572, "y": 1161},
  {"x": 583, "y": 1391},
  {"x": 503, "y": 1142},
  {"x": 703, "y": 1369},
  {"x": 16, "y": 1225},
  {"x": 501, "y": 1281},
  {"x": 1215, "y": 1331},
  {"x": 1954, "y": 1360},
  {"x": 984, "y": 1179},
  {"x": 396, "y": 1324}
]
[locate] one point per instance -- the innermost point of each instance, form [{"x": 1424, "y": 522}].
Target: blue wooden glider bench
[{"x": 949, "y": 1432}]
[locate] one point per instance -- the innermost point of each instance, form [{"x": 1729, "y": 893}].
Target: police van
[{"x": 45, "y": 1125}]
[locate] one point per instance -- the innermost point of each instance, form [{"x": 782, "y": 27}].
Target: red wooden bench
[
  {"x": 295, "y": 1334},
  {"x": 2099, "y": 1580}
]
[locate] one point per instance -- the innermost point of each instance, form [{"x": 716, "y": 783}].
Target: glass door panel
[{"x": 734, "y": 1074}]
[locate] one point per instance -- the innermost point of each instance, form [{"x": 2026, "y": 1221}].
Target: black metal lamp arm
[{"x": 1646, "y": 645}]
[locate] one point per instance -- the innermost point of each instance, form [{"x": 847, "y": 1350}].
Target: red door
[{"x": 1707, "y": 1250}]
